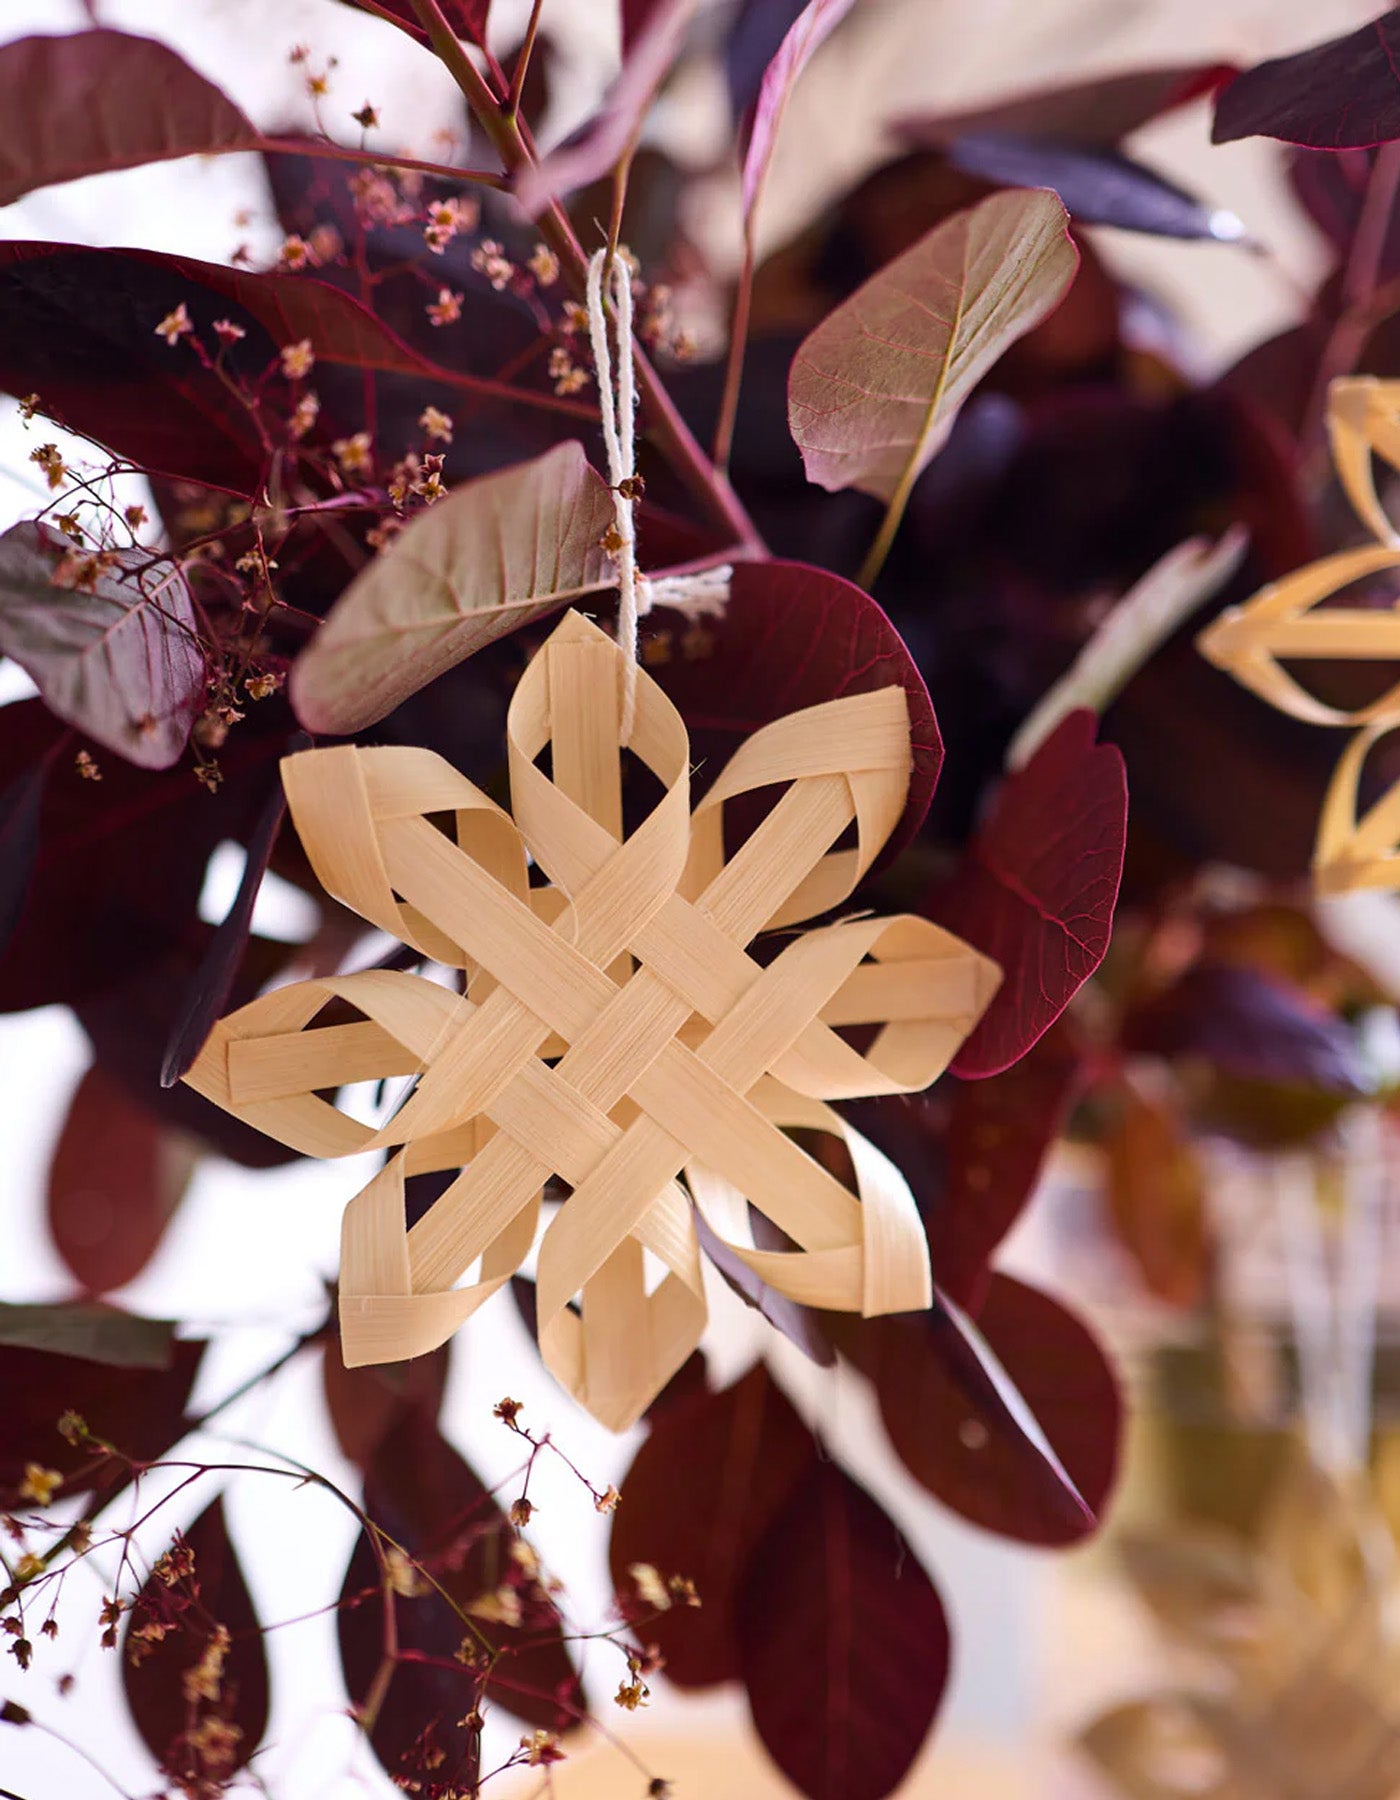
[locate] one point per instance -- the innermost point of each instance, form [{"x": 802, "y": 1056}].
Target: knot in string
[{"x": 610, "y": 285}]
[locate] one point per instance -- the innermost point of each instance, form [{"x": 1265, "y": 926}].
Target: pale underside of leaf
[
  {"x": 874, "y": 390},
  {"x": 496, "y": 555},
  {"x": 120, "y": 661}
]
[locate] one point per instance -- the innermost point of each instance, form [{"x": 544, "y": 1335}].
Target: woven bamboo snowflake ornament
[
  {"x": 614, "y": 1035},
  {"x": 1289, "y": 619}
]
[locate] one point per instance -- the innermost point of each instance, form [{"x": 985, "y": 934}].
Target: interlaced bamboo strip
[
  {"x": 614, "y": 1032},
  {"x": 1288, "y": 619}
]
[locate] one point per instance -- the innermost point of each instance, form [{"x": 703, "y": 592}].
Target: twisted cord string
[{"x": 610, "y": 285}]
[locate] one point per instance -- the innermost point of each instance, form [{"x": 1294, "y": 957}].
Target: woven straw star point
[{"x": 615, "y": 1038}]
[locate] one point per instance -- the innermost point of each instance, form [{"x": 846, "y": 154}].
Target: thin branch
[
  {"x": 522, "y": 60},
  {"x": 734, "y": 362},
  {"x": 667, "y": 430},
  {"x": 328, "y": 148}
]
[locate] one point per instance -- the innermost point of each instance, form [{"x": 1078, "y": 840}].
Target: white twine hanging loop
[{"x": 704, "y": 592}]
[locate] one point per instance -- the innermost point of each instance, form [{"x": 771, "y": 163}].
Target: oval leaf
[
  {"x": 875, "y": 388},
  {"x": 420, "y": 1492},
  {"x": 194, "y": 1665},
  {"x": 808, "y": 31},
  {"x": 364, "y": 1403},
  {"x": 1098, "y": 186},
  {"x": 117, "y": 656},
  {"x": 727, "y": 676},
  {"x": 126, "y": 101},
  {"x": 844, "y": 1643},
  {"x": 1157, "y": 1196},
  {"x": 1037, "y": 888},
  {"x": 1341, "y": 95},
  {"x": 954, "y": 1428},
  {"x": 715, "y": 1472},
  {"x": 498, "y": 553},
  {"x": 115, "y": 1181},
  {"x": 135, "y": 1400}
]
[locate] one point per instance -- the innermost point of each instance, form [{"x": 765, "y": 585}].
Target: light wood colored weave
[
  {"x": 614, "y": 1032},
  {"x": 1289, "y": 619}
]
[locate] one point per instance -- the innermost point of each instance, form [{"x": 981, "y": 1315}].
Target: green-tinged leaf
[
  {"x": 94, "y": 1332},
  {"x": 97, "y": 100},
  {"x": 498, "y": 553},
  {"x": 118, "y": 656},
  {"x": 874, "y": 390}
]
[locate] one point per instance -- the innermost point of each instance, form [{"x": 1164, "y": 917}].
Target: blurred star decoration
[
  {"x": 1295, "y": 1643},
  {"x": 1291, "y": 620},
  {"x": 613, "y": 1034}
]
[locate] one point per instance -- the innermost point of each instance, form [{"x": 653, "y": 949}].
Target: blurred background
[{"x": 1045, "y": 1644}]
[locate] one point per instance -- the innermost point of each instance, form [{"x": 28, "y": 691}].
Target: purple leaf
[
  {"x": 957, "y": 1432},
  {"x": 125, "y": 101},
  {"x": 1093, "y": 114},
  {"x": 597, "y": 149},
  {"x": 1098, "y": 187},
  {"x": 754, "y": 37},
  {"x": 213, "y": 980},
  {"x": 119, "y": 656},
  {"x": 1340, "y": 95},
  {"x": 798, "y": 1324},
  {"x": 1037, "y": 888},
  {"x": 843, "y": 1641},
  {"x": 813, "y": 25},
  {"x": 1249, "y": 1025}
]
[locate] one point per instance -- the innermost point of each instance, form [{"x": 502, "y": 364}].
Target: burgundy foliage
[
  {"x": 1341, "y": 95},
  {"x": 421, "y": 1493},
  {"x": 843, "y": 1641},
  {"x": 115, "y": 1179},
  {"x": 952, "y": 1427},
  {"x": 713, "y": 1474},
  {"x": 139, "y": 1410},
  {"x": 127, "y": 101},
  {"x": 1037, "y": 887},
  {"x": 178, "y": 1676}
]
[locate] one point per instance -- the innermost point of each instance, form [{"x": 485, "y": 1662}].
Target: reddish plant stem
[
  {"x": 734, "y": 363},
  {"x": 666, "y": 428},
  {"x": 1359, "y": 285},
  {"x": 327, "y": 148},
  {"x": 522, "y": 60}
]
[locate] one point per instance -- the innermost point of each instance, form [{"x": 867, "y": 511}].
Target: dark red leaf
[
  {"x": 115, "y": 1181},
  {"x": 713, "y": 1475},
  {"x": 78, "y": 326},
  {"x": 213, "y": 981},
  {"x": 126, "y": 101},
  {"x": 999, "y": 1134},
  {"x": 1037, "y": 888},
  {"x": 1097, "y": 186},
  {"x": 466, "y": 17},
  {"x": 1156, "y": 1192},
  {"x": 20, "y": 806},
  {"x": 798, "y": 1324},
  {"x": 791, "y": 636},
  {"x": 171, "y": 1631},
  {"x": 129, "y": 1021},
  {"x": 844, "y": 1642},
  {"x": 141, "y": 1411},
  {"x": 365, "y": 1403},
  {"x": 121, "y": 861},
  {"x": 1250, "y": 1025},
  {"x": 419, "y": 1490},
  {"x": 89, "y": 1330},
  {"x": 1094, "y": 114},
  {"x": 759, "y": 27},
  {"x": 956, "y": 1433},
  {"x": 1340, "y": 95}
]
